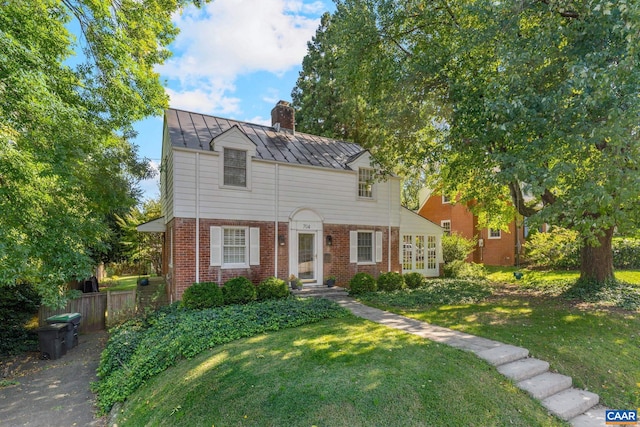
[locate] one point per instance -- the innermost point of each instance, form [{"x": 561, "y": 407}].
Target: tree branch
[
  {"x": 564, "y": 13},
  {"x": 518, "y": 200}
]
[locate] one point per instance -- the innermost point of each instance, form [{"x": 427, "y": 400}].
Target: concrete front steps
[{"x": 555, "y": 391}]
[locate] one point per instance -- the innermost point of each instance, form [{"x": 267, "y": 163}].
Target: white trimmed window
[
  {"x": 366, "y": 247},
  {"x": 495, "y": 233},
  {"x": 235, "y": 167},
  {"x": 235, "y": 247},
  {"x": 365, "y": 183},
  {"x": 445, "y": 200},
  {"x": 446, "y": 225}
]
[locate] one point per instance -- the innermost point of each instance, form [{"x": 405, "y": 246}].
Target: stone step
[
  {"x": 570, "y": 403},
  {"x": 523, "y": 369},
  {"x": 544, "y": 385},
  {"x": 503, "y": 354},
  {"x": 594, "y": 417}
]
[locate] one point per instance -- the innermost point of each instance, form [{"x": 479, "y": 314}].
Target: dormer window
[
  {"x": 235, "y": 167},
  {"x": 365, "y": 183}
]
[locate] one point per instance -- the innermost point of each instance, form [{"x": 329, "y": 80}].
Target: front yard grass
[
  {"x": 595, "y": 344},
  {"x": 338, "y": 372}
]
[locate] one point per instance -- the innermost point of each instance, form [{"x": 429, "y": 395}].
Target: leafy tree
[
  {"x": 141, "y": 248},
  {"x": 528, "y": 106},
  {"x": 67, "y": 106}
]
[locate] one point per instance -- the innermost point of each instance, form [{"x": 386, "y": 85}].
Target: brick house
[
  {"x": 258, "y": 201},
  {"x": 494, "y": 247}
]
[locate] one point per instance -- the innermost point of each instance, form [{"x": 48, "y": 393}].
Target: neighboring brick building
[
  {"x": 495, "y": 247},
  {"x": 259, "y": 201}
]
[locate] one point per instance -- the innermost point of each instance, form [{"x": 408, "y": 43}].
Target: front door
[{"x": 307, "y": 257}]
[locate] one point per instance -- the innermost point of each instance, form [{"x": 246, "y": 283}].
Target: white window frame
[
  {"x": 446, "y": 231},
  {"x": 446, "y": 200},
  {"x": 251, "y": 247},
  {"x": 246, "y": 168},
  {"x": 376, "y": 249},
  {"x": 491, "y": 236},
  {"x": 363, "y": 184},
  {"x": 245, "y": 246}
]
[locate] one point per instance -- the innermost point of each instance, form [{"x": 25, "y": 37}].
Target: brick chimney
[{"x": 283, "y": 114}]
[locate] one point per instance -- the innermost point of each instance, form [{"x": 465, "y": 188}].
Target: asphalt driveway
[{"x": 53, "y": 393}]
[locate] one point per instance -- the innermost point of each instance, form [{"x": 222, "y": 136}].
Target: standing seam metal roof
[{"x": 195, "y": 131}]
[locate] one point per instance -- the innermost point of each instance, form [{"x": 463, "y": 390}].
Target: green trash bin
[
  {"x": 52, "y": 340},
  {"x": 72, "y": 320}
]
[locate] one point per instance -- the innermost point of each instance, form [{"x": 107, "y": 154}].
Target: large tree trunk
[{"x": 596, "y": 263}]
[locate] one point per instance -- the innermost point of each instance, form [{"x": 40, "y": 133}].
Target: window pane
[
  {"x": 235, "y": 167},
  {"x": 365, "y": 247},
  {"x": 365, "y": 182},
  {"x": 234, "y": 246},
  {"x": 494, "y": 233},
  {"x": 419, "y": 252},
  {"x": 407, "y": 253},
  {"x": 431, "y": 252}
]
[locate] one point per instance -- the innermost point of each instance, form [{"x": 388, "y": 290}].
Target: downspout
[
  {"x": 197, "y": 217},
  {"x": 389, "y": 238},
  {"x": 276, "y": 208}
]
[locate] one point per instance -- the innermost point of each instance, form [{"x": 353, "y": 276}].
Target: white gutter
[
  {"x": 197, "y": 217},
  {"x": 276, "y": 209},
  {"x": 389, "y": 232}
]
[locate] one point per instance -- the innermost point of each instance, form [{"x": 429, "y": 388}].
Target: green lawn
[
  {"x": 124, "y": 283},
  {"x": 339, "y": 372},
  {"x": 597, "y": 345}
]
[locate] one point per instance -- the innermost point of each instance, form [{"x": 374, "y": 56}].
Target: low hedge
[
  {"x": 391, "y": 281},
  {"x": 142, "y": 348},
  {"x": 239, "y": 290},
  {"x": 203, "y": 295},
  {"x": 414, "y": 280},
  {"x": 362, "y": 283},
  {"x": 272, "y": 288}
]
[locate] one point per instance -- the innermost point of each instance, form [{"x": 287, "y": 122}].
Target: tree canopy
[
  {"x": 529, "y": 106},
  {"x": 67, "y": 106}
]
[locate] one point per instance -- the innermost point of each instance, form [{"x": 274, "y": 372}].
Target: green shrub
[
  {"x": 414, "y": 280},
  {"x": 391, "y": 281},
  {"x": 435, "y": 292},
  {"x": 139, "y": 350},
  {"x": 18, "y": 305},
  {"x": 464, "y": 270},
  {"x": 560, "y": 248},
  {"x": 626, "y": 252},
  {"x": 239, "y": 290},
  {"x": 203, "y": 295},
  {"x": 272, "y": 288},
  {"x": 362, "y": 283},
  {"x": 456, "y": 248}
]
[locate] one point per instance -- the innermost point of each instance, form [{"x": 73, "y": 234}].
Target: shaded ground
[{"x": 53, "y": 392}]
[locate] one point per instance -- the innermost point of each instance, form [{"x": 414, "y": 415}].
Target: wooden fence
[{"x": 99, "y": 309}]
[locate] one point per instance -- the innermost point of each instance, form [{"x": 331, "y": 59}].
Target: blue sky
[{"x": 234, "y": 59}]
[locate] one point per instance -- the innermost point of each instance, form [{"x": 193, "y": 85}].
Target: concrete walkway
[{"x": 579, "y": 407}]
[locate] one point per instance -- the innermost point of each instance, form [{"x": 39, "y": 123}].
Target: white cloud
[
  {"x": 151, "y": 187},
  {"x": 228, "y": 38}
]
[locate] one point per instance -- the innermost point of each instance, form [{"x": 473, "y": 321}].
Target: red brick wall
[
  {"x": 495, "y": 251},
  {"x": 335, "y": 256}
]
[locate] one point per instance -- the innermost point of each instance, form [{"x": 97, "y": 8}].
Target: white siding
[
  {"x": 331, "y": 193},
  {"x": 166, "y": 178}
]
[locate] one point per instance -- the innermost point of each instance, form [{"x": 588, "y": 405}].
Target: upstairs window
[
  {"x": 494, "y": 233},
  {"x": 445, "y": 199},
  {"x": 365, "y": 183},
  {"x": 235, "y": 167}
]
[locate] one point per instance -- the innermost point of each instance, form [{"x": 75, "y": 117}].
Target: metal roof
[{"x": 195, "y": 131}]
